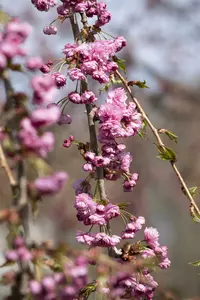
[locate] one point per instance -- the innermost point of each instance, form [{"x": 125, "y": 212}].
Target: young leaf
[
  {"x": 194, "y": 214},
  {"x": 16, "y": 67},
  {"x": 193, "y": 190},
  {"x": 4, "y": 17},
  {"x": 143, "y": 129},
  {"x": 140, "y": 84},
  {"x": 170, "y": 134},
  {"x": 121, "y": 63},
  {"x": 87, "y": 290},
  {"x": 105, "y": 88},
  {"x": 116, "y": 81},
  {"x": 123, "y": 206},
  {"x": 166, "y": 153},
  {"x": 195, "y": 263}
]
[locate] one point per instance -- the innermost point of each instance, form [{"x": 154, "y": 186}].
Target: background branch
[{"x": 19, "y": 187}]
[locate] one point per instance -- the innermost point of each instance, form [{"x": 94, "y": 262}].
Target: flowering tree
[{"x": 123, "y": 269}]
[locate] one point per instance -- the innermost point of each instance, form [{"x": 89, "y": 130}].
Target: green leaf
[
  {"x": 140, "y": 84},
  {"x": 16, "y": 67},
  {"x": 193, "y": 190},
  {"x": 116, "y": 81},
  {"x": 194, "y": 214},
  {"x": 56, "y": 267},
  {"x": 106, "y": 87},
  {"x": 143, "y": 129},
  {"x": 4, "y": 17},
  {"x": 166, "y": 153},
  {"x": 124, "y": 205},
  {"x": 121, "y": 63},
  {"x": 173, "y": 137},
  {"x": 195, "y": 263},
  {"x": 87, "y": 290}
]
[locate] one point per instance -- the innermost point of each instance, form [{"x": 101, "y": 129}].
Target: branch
[
  {"x": 19, "y": 187},
  {"x": 10, "y": 102},
  {"x": 160, "y": 142},
  {"x": 89, "y": 107},
  {"x": 22, "y": 201}
]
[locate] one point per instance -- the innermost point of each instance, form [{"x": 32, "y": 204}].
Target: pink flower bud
[
  {"x": 34, "y": 63},
  {"x": 48, "y": 283},
  {"x": 64, "y": 119},
  {"x": 60, "y": 80},
  {"x": 50, "y": 30},
  {"x": 75, "y": 98},
  {"x": 12, "y": 255},
  {"x": 35, "y": 287}
]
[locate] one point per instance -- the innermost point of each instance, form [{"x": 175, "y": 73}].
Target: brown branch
[{"x": 160, "y": 142}]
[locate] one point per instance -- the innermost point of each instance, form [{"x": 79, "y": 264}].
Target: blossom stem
[{"x": 160, "y": 142}]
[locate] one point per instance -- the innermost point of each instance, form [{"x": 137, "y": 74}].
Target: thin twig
[
  {"x": 6, "y": 167},
  {"x": 160, "y": 142},
  {"x": 22, "y": 201}
]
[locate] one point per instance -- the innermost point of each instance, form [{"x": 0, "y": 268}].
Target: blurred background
[{"x": 163, "y": 48}]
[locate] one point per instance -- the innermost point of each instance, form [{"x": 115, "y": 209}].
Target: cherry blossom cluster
[
  {"x": 151, "y": 237},
  {"x": 62, "y": 285},
  {"x": 50, "y": 185},
  {"x": 32, "y": 139},
  {"x": 91, "y": 8},
  {"x": 124, "y": 286},
  {"x": 65, "y": 284},
  {"x": 94, "y": 59},
  {"x": 118, "y": 120},
  {"x": 92, "y": 213},
  {"x": 44, "y": 5},
  {"x": 31, "y": 135},
  {"x": 19, "y": 251},
  {"x": 11, "y": 41}
]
